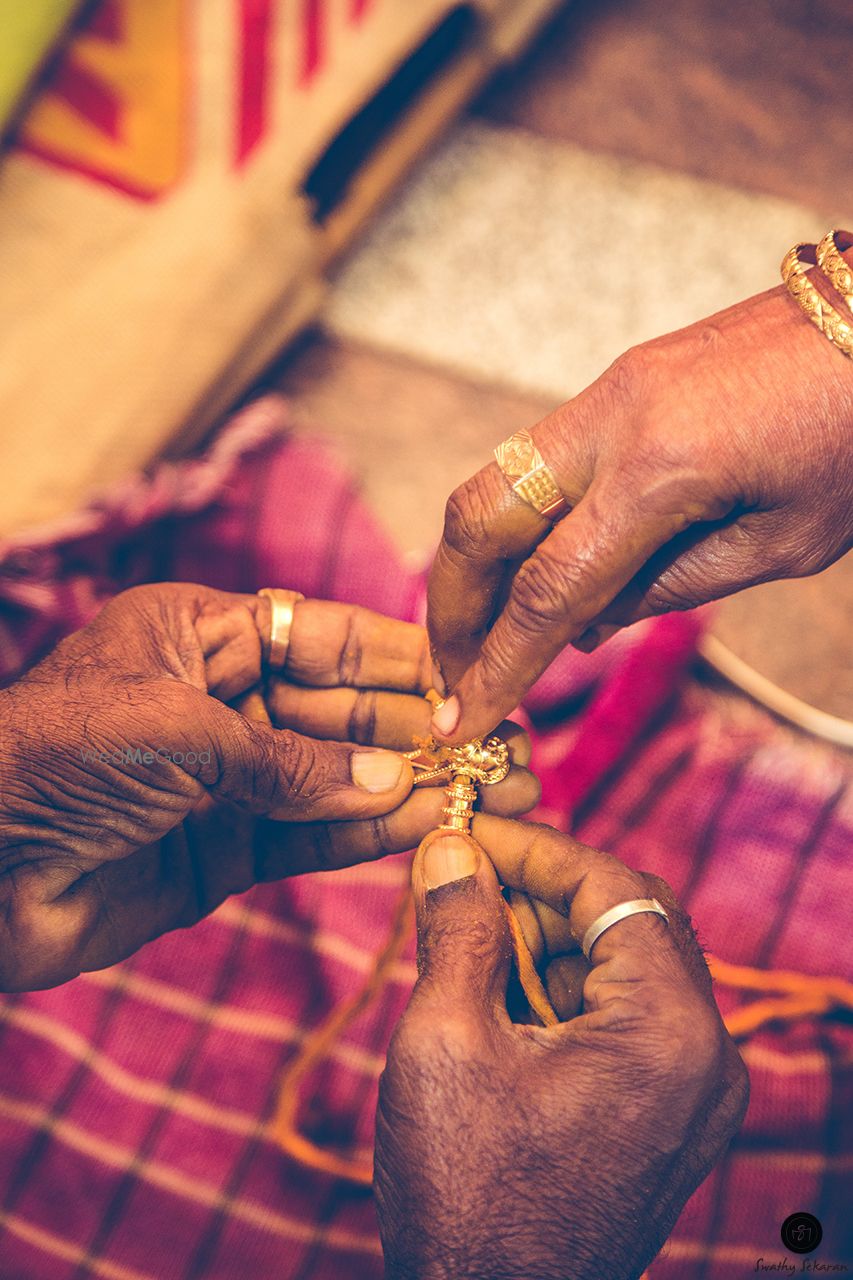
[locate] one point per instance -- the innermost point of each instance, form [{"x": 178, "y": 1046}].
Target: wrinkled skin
[
  {"x": 99, "y": 856},
  {"x": 517, "y": 1152},
  {"x": 700, "y": 463}
]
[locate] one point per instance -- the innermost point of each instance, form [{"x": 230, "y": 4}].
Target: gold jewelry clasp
[{"x": 466, "y": 767}]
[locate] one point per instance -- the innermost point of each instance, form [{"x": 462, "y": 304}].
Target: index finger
[
  {"x": 487, "y": 531},
  {"x": 571, "y": 576}
]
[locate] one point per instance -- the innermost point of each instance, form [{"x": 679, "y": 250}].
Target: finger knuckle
[
  {"x": 675, "y": 594},
  {"x": 433, "y": 1037},
  {"x": 539, "y": 600},
  {"x": 303, "y": 767},
  {"x": 361, "y": 726},
  {"x": 629, "y": 375},
  {"x": 659, "y": 888},
  {"x": 468, "y": 515},
  {"x": 498, "y": 660},
  {"x": 351, "y": 654},
  {"x": 381, "y": 838}
]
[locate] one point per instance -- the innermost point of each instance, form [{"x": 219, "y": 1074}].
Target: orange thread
[
  {"x": 788, "y": 997},
  {"x": 532, "y": 984},
  {"x": 315, "y": 1048}
]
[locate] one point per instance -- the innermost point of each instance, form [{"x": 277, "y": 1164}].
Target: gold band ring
[
  {"x": 833, "y": 265},
  {"x": 530, "y": 476},
  {"x": 282, "y": 606},
  {"x": 824, "y": 316}
]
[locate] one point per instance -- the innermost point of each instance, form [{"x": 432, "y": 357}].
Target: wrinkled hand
[
  {"x": 133, "y": 799},
  {"x": 517, "y": 1152},
  {"x": 699, "y": 464}
]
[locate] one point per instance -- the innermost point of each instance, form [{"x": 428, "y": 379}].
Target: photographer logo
[{"x": 801, "y": 1233}]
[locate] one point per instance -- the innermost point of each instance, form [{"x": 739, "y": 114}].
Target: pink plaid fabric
[{"x": 134, "y": 1102}]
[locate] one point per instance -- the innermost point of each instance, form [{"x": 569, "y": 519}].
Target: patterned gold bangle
[
  {"x": 833, "y": 266},
  {"x": 795, "y": 275}
]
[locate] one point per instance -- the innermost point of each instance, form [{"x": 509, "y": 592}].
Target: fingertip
[
  {"x": 469, "y": 713},
  {"x": 519, "y": 792},
  {"x": 445, "y": 857},
  {"x": 518, "y": 740},
  {"x": 446, "y": 718}
]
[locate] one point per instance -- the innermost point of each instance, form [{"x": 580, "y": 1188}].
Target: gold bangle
[
  {"x": 833, "y": 265},
  {"x": 824, "y": 316}
]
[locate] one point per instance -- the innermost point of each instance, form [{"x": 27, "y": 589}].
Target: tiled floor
[{"x": 518, "y": 263}]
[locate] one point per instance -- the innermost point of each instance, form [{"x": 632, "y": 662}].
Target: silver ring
[{"x": 621, "y": 912}]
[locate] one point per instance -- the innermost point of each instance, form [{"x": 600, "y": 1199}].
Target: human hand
[
  {"x": 700, "y": 463},
  {"x": 507, "y": 1151},
  {"x": 133, "y": 799}
]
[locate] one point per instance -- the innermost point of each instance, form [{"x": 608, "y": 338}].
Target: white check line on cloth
[
  {"x": 176, "y": 1183},
  {"x": 262, "y": 1026},
  {"x": 153, "y": 1092},
  {"x": 322, "y": 942},
  {"x": 56, "y": 1247}
]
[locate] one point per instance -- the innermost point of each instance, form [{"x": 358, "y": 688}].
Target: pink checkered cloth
[{"x": 134, "y": 1102}]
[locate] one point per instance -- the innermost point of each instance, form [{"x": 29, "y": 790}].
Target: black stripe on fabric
[
  {"x": 39, "y": 1144},
  {"x": 202, "y": 1260},
  {"x": 707, "y": 836},
  {"x": 340, "y": 1190},
  {"x": 162, "y": 551},
  {"x": 716, "y": 1215},
  {"x": 808, "y": 849},
  {"x": 129, "y": 1180},
  {"x": 595, "y": 797},
  {"x": 659, "y": 787},
  {"x": 833, "y": 1201}
]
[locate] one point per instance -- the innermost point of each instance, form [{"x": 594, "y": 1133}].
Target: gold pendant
[{"x": 467, "y": 767}]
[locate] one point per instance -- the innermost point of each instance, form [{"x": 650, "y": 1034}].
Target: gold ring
[
  {"x": 530, "y": 476},
  {"x": 833, "y": 265},
  {"x": 282, "y": 607},
  {"x": 795, "y": 275}
]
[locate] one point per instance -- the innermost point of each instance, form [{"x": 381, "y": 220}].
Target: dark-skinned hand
[
  {"x": 134, "y": 799},
  {"x": 517, "y": 1152},
  {"x": 700, "y": 463}
]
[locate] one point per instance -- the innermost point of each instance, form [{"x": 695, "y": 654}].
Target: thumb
[
  {"x": 285, "y": 775},
  {"x": 463, "y": 940}
]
